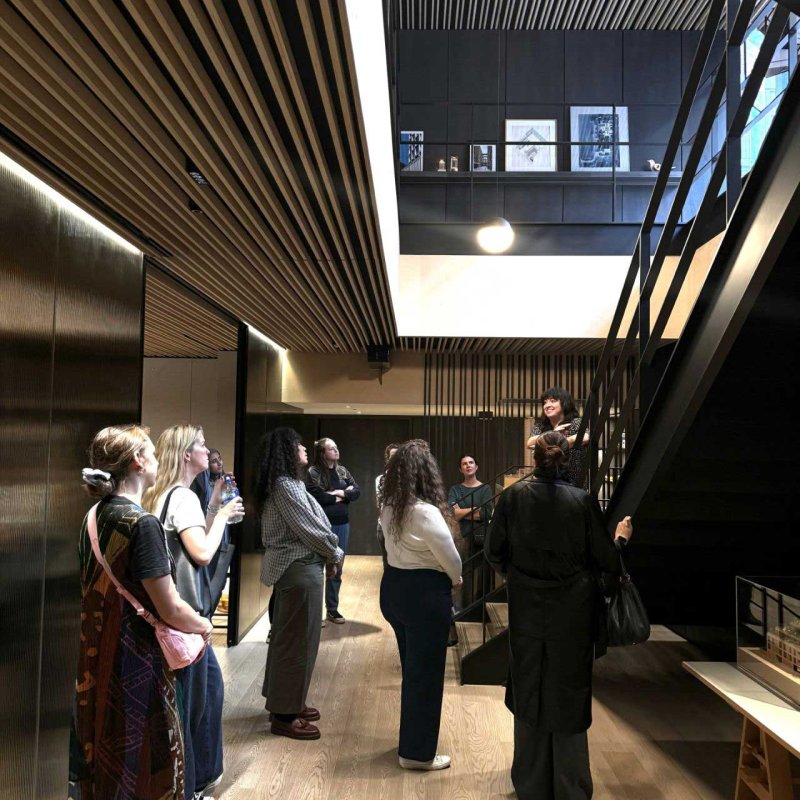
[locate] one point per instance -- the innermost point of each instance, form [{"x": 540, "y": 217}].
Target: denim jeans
[
  {"x": 333, "y": 585},
  {"x": 201, "y": 692}
]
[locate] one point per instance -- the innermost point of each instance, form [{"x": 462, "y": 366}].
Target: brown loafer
[
  {"x": 296, "y": 729},
  {"x": 308, "y": 714}
]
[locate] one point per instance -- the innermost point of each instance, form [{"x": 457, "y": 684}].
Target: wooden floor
[{"x": 657, "y": 733}]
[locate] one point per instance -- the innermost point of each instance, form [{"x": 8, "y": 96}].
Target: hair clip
[{"x": 94, "y": 476}]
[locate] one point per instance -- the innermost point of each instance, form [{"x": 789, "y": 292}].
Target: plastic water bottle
[{"x": 230, "y": 491}]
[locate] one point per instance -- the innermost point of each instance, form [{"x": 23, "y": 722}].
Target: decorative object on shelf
[
  {"x": 483, "y": 158},
  {"x": 654, "y": 165},
  {"x": 590, "y": 124},
  {"x": 442, "y": 167},
  {"x": 496, "y": 236},
  {"x": 453, "y": 163},
  {"x": 534, "y": 148},
  {"x": 411, "y": 151}
]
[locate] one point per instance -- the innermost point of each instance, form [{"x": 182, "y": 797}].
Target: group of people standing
[{"x": 546, "y": 536}]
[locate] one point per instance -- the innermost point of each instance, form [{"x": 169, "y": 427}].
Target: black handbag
[
  {"x": 217, "y": 570},
  {"x": 191, "y": 580},
  {"x": 626, "y": 617}
]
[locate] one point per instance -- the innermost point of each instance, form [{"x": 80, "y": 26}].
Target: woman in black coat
[{"x": 549, "y": 539}]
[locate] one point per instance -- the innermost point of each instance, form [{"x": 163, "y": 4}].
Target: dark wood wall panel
[
  {"x": 541, "y": 75},
  {"x": 593, "y": 67}
]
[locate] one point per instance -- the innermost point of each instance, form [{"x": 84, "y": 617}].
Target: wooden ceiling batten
[
  {"x": 178, "y": 326},
  {"x": 118, "y": 95}
]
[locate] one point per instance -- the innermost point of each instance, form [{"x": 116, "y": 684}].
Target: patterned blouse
[
  {"x": 126, "y": 738},
  {"x": 293, "y": 527},
  {"x": 577, "y": 454}
]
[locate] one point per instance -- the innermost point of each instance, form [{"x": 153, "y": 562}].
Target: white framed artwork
[
  {"x": 530, "y": 149},
  {"x": 594, "y": 127}
]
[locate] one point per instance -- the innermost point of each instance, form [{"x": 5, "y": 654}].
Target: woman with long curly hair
[
  {"x": 298, "y": 542},
  {"x": 423, "y": 568}
]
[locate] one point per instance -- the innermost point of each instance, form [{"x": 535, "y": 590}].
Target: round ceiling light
[{"x": 496, "y": 236}]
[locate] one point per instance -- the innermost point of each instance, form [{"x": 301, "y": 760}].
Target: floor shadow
[
  {"x": 351, "y": 628},
  {"x": 648, "y": 689}
]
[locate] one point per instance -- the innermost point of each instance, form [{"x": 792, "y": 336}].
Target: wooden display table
[{"x": 770, "y": 733}]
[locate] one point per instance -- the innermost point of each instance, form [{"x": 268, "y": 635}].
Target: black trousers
[
  {"x": 550, "y": 766},
  {"x": 417, "y": 603}
]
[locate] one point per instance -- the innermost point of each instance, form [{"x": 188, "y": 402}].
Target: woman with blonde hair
[
  {"x": 126, "y": 733},
  {"x": 423, "y": 568},
  {"x": 193, "y": 539}
]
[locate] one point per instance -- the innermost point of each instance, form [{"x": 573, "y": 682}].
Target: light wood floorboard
[{"x": 657, "y": 733}]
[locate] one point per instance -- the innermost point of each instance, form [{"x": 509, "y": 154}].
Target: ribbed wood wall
[
  {"x": 551, "y": 14},
  {"x": 505, "y": 385}
]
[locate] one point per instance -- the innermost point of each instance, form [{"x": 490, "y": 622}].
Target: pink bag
[{"x": 180, "y": 649}]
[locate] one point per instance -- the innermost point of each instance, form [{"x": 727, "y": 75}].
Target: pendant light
[{"x": 496, "y": 235}]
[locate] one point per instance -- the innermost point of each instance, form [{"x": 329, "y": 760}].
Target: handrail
[{"x": 597, "y": 412}]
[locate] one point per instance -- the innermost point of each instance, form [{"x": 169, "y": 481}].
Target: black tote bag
[{"x": 626, "y": 617}]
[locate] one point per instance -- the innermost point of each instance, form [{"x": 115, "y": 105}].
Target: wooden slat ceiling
[
  {"x": 176, "y": 326},
  {"x": 551, "y": 14},
  {"x": 516, "y": 346},
  {"x": 120, "y": 95}
]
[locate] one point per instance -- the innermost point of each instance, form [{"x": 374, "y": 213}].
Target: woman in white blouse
[{"x": 423, "y": 568}]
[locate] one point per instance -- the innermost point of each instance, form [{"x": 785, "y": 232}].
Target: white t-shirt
[
  {"x": 184, "y": 510},
  {"x": 424, "y": 543}
]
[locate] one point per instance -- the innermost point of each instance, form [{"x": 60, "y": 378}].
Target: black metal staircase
[{"x": 701, "y": 445}]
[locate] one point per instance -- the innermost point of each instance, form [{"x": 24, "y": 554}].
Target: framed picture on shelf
[
  {"x": 531, "y": 150},
  {"x": 594, "y": 127},
  {"x": 411, "y": 151},
  {"x": 483, "y": 158}
]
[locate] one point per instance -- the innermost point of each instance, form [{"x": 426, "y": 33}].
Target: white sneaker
[{"x": 439, "y": 762}]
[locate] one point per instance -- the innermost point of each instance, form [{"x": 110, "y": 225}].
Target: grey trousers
[
  {"x": 294, "y": 642},
  {"x": 550, "y": 766}
]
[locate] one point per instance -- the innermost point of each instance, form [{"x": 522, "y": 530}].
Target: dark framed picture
[
  {"x": 411, "y": 150},
  {"x": 483, "y": 158}
]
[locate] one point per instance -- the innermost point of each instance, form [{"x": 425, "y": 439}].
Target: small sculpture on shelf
[
  {"x": 453, "y": 163},
  {"x": 442, "y": 167}
]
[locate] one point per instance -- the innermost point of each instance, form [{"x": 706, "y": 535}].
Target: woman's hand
[
  {"x": 216, "y": 494},
  {"x": 459, "y": 582},
  {"x": 232, "y": 508},
  {"x": 208, "y": 630},
  {"x": 624, "y": 529},
  {"x": 331, "y": 569},
  {"x": 337, "y": 493}
]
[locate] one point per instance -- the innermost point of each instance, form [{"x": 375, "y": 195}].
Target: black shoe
[{"x": 335, "y": 616}]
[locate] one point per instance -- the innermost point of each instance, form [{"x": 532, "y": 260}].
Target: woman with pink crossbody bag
[{"x": 135, "y": 629}]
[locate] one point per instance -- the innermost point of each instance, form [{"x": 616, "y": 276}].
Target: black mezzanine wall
[{"x": 460, "y": 86}]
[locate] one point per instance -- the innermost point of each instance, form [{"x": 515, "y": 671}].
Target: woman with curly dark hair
[
  {"x": 298, "y": 542},
  {"x": 423, "y": 568},
  {"x": 559, "y": 413}
]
